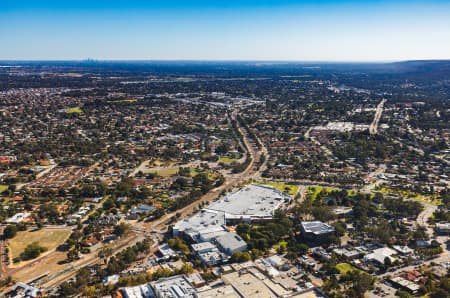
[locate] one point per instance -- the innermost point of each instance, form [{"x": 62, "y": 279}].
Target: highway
[{"x": 373, "y": 128}]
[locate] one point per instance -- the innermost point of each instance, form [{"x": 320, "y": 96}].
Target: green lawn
[
  {"x": 314, "y": 191},
  {"x": 281, "y": 243},
  {"x": 226, "y": 159},
  {"x": 345, "y": 267},
  {"x": 75, "y": 110},
  {"x": 289, "y": 188},
  {"x": 411, "y": 195},
  {"x": 3, "y": 188},
  {"x": 166, "y": 172}
]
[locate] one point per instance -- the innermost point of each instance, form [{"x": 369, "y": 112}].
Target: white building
[
  {"x": 251, "y": 203},
  {"x": 177, "y": 286},
  {"x": 230, "y": 243},
  {"x": 379, "y": 255},
  {"x": 18, "y": 217}
]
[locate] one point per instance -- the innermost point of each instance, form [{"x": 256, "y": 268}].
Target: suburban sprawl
[{"x": 235, "y": 180}]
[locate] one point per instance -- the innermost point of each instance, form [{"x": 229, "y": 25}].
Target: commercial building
[
  {"x": 248, "y": 285},
  {"x": 18, "y": 217},
  {"x": 204, "y": 226},
  {"x": 443, "y": 228},
  {"x": 166, "y": 252},
  {"x": 379, "y": 255},
  {"x": 141, "y": 291},
  {"x": 316, "y": 231},
  {"x": 226, "y": 291},
  {"x": 230, "y": 243},
  {"x": 253, "y": 202},
  {"x": 174, "y": 287},
  {"x": 24, "y": 290},
  {"x": 405, "y": 284},
  {"x": 209, "y": 254}
]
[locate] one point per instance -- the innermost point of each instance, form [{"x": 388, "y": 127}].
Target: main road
[
  {"x": 373, "y": 128},
  {"x": 160, "y": 225},
  {"x": 231, "y": 181}
]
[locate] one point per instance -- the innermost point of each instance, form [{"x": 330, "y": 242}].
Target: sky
[{"x": 272, "y": 30}]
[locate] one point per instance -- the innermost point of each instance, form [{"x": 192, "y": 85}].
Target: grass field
[
  {"x": 226, "y": 159},
  {"x": 75, "y": 110},
  {"x": 166, "y": 172},
  {"x": 3, "y": 188},
  {"x": 49, "y": 238},
  {"x": 411, "y": 195},
  {"x": 345, "y": 267},
  {"x": 314, "y": 191},
  {"x": 289, "y": 188}
]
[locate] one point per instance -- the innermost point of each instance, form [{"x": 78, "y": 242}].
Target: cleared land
[
  {"x": 49, "y": 238},
  {"x": 51, "y": 263}
]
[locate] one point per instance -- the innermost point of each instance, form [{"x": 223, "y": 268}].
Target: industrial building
[{"x": 174, "y": 287}]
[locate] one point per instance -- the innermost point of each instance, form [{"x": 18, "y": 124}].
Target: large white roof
[{"x": 251, "y": 201}]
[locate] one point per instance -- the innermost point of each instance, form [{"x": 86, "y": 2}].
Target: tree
[
  {"x": 240, "y": 257},
  {"x": 66, "y": 289},
  {"x": 10, "y": 231},
  {"x": 122, "y": 229},
  {"x": 420, "y": 233},
  {"x": 360, "y": 282},
  {"x": 387, "y": 262},
  {"x": 72, "y": 255},
  {"x": 33, "y": 250},
  {"x": 108, "y": 204},
  {"x": 105, "y": 252}
]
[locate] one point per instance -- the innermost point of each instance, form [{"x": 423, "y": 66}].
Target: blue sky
[{"x": 225, "y": 30}]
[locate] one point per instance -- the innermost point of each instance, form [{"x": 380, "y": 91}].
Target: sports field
[
  {"x": 49, "y": 238},
  {"x": 75, "y": 110}
]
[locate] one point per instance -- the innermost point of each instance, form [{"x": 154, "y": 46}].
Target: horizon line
[{"x": 226, "y": 60}]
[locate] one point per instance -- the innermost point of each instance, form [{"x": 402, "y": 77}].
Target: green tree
[{"x": 10, "y": 231}]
